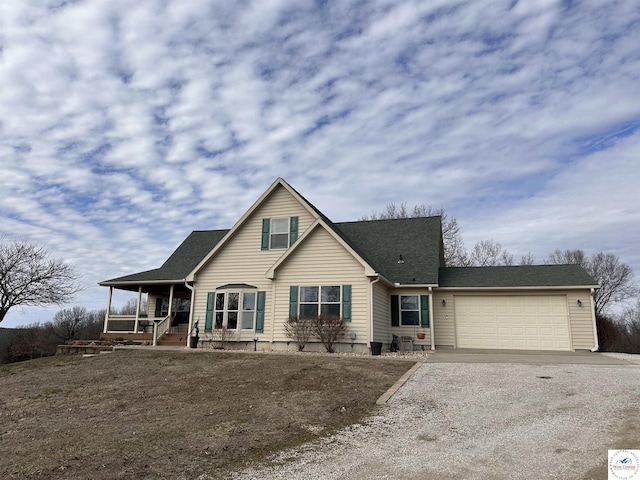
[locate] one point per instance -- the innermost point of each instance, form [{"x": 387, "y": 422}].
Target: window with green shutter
[
  {"x": 260, "y": 313},
  {"x": 395, "y": 311},
  {"x": 293, "y": 230},
  {"x": 312, "y": 301},
  {"x": 410, "y": 310},
  {"x": 346, "y": 303},
  {"x": 208, "y": 319},
  {"x": 278, "y": 233},
  {"x": 293, "y": 301},
  {"x": 266, "y": 223},
  {"x": 424, "y": 311}
]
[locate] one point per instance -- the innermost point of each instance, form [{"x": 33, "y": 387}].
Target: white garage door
[{"x": 512, "y": 322}]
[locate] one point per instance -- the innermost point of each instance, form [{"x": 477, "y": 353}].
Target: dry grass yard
[{"x": 175, "y": 414}]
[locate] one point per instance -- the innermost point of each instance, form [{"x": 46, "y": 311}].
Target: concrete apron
[{"x": 465, "y": 355}]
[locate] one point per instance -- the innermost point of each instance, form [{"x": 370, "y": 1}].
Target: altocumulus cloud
[{"x": 126, "y": 124}]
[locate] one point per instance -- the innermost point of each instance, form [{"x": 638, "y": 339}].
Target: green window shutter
[
  {"x": 266, "y": 225},
  {"x": 260, "y": 313},
  {"x": 293, "y": 301},
  {"x": 158, "y": 312},
  {"x": 395, "y": 311},
  {"x": 208, "y": 319},
  {"x": 424, "y": 311},
  {"x": 346, "y": 303},
  {"x": 293, "y": 230}
]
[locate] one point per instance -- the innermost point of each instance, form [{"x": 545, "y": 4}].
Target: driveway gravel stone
[{"x": 483, "y": 421}]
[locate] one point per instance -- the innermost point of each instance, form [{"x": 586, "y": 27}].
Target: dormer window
[{"x": 279, "y": 233}]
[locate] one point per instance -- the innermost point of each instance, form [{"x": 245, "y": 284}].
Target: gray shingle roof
[
  {"x": 181, "y": 262},
  {"x": 381, "y": 242},
  {"x": 516, "y": 276}
]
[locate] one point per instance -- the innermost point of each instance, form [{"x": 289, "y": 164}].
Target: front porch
[{"x": 166, "y": 326}]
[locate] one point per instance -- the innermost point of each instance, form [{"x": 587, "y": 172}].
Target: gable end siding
[
  {"x": 321, "y": 260},
  {"x": 241, "y": 260}
]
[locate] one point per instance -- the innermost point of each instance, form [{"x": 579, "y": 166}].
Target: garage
[{"x": 521, "y": 322}]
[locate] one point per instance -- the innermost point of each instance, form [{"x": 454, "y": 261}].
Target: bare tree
[
  {"x": 29, "y": 277},
  {"x": 68, "y": 323},
  {"x": 528, "y": 259},
  {"x": 129, "y": 308},
  {"x": 614, "y": 277},
  {"x": 487, "y": 253},
  {"x": 563, "y": 257},
  {"x": 92, "y": 328},
  {"x": 29, "y": 342},
  {"x": 454, "y": 252}
]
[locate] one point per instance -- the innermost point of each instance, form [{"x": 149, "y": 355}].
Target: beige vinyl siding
[
  {"x": 322, "y": 260},
  {"x": 241, "y": 260},
  {"x": 581, "y": 320},
  {"x": 381, "y": 314},
  {"x": 444, "y": 324}
]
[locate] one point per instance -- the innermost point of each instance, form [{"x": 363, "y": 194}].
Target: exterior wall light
[
  {"x": 579, "y": 302},
  {"x": 444, "y": 302}
]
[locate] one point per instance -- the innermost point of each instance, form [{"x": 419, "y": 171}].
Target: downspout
[
  {"x": 431, "y": 329},
  {"x": 191, "y": 308},
  {"x": 371, "y": 314},
  {"x": 593, "y": 317},
  {"x": 273, "y": 314}
]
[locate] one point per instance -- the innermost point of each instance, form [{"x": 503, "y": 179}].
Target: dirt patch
[{"x": 145, "y": 414}]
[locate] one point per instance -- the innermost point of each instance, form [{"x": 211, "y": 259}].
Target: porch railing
[
  {"x": 160, "y": 328},
  {"x": 122, "y": 323}
]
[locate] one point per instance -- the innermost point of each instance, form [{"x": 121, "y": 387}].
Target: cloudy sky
[{"x": 125, "y": 124}]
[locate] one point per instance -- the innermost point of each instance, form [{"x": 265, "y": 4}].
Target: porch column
[
  {"x": 170, "y": 306},
  {"x": 106, "y": 315},
  {"x": 135, "y": 327}
]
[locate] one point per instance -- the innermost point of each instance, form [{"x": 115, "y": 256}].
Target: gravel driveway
[{"x": 483, "y": 421}]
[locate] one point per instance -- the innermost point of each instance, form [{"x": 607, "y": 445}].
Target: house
[{"x": 384, "y": 277}]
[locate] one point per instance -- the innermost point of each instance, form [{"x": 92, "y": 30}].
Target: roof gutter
[
  {"x": 515, "y": 287},
  {"x": 141, "y": 282}
]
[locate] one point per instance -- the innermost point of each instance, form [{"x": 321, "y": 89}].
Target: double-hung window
[
  {"x": 316, "y": 301},
  {"x": 248, "y": 309},
  {"x": 410, "y": 310},
  {"x": 312, "y": 301},
  {"x": 279, "y": 233}
]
